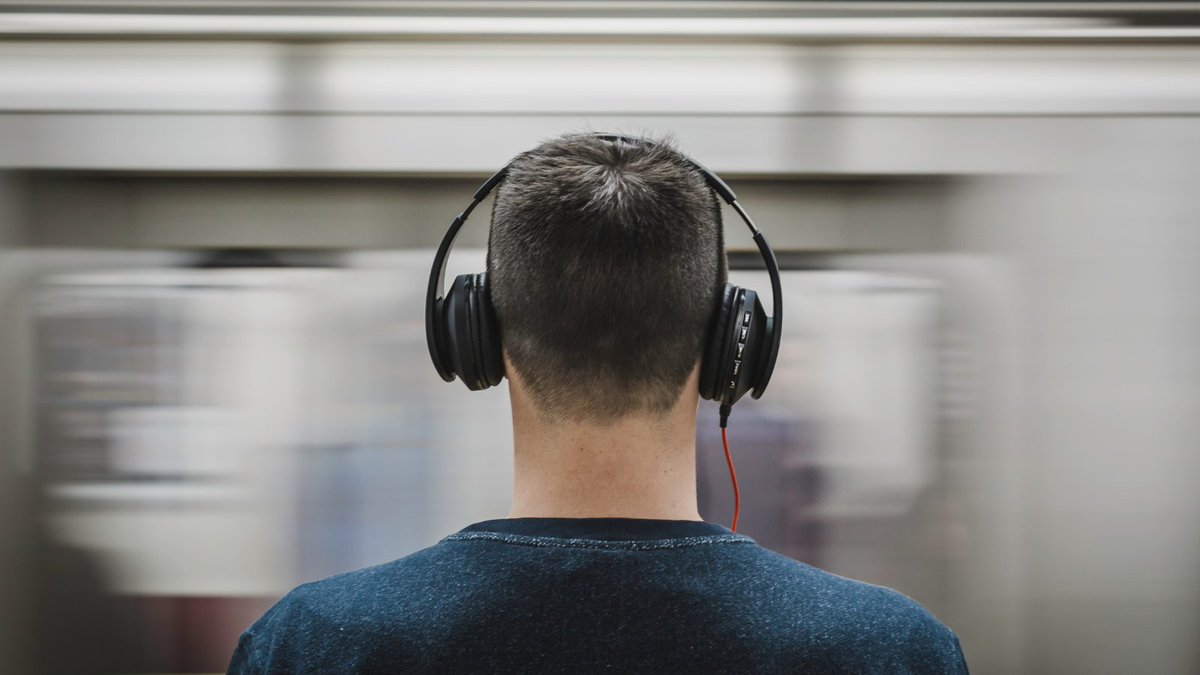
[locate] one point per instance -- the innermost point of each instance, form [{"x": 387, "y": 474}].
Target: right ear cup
[
  {"x": 718, "y": 333},
  {"x": 472, "y": 337},
  {"x": 732, "y": 363}
]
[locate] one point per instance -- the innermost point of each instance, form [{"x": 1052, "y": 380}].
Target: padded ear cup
[
  {"x": 718, "y": 333},
  {"x": 746, "y": 350},
  {"x": 487, "y": 333},
  {"x": 733, "y": 361},
  {"x": 457, "y": 317},
  {"x": 436, "y": 329},
  {"x": 472, "y": 342}
]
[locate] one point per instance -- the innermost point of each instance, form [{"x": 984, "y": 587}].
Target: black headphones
[{"x": 739, "y": 353}]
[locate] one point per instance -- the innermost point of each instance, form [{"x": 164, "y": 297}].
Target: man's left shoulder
[{"x": 336, "y": 623}]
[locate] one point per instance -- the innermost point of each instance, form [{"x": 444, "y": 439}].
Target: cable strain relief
[{"x": 725, "y": 410}]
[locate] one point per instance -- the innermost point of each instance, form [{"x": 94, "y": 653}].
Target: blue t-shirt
[{"x": 558, "y": 595}]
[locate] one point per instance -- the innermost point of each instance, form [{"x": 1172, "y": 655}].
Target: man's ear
[
  {"x": 693, "y": 378},
  {"x": 518, "y": 394},
  {"x": 510, "y": 372},
  {"x": 508, "y": 367}
]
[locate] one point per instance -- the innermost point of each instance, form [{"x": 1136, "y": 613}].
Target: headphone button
[
  {"x": 745, "y": 332},
  {"x": 740, "y": 348},
  {"x": 737, "y": 365}
]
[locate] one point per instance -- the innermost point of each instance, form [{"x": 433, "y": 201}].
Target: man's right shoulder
[{"x": 866, "y": 627}]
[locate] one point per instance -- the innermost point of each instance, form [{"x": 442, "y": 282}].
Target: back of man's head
[{"x": 605, "y": 261}]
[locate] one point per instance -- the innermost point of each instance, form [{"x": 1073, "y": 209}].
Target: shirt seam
[{"x": 623, "y": 545}]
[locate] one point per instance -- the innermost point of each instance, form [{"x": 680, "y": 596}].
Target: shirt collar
[{"x": 601, "y": 529}]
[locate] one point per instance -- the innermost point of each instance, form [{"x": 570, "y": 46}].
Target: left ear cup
[
  {"x": 487, "y": 333},
  {"x": 472, "y": 340}
]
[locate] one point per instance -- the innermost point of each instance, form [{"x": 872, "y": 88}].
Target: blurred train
[{"x": 216, "y": 225}]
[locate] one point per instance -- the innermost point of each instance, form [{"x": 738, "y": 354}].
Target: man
[{"x": 605, "y": 261}]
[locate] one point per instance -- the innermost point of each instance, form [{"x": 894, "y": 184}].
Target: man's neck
[{"x": 636, "y": 467}]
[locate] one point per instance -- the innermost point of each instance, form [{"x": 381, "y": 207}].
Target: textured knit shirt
[{"x": 556, "y": 595}]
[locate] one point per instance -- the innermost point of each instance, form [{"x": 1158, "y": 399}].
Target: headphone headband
[{"x": 437, "y": 274}]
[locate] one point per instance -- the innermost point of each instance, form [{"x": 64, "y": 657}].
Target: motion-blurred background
[{"x": 216, "y": 223}]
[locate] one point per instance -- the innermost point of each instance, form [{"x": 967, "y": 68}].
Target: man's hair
[{"x": 605, "y": 261}]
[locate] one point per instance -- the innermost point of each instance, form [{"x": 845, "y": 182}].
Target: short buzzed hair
[{"x": 605, "y": 263}]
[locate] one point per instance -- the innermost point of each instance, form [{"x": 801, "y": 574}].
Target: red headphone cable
[{"x": 737, "y": 497}]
